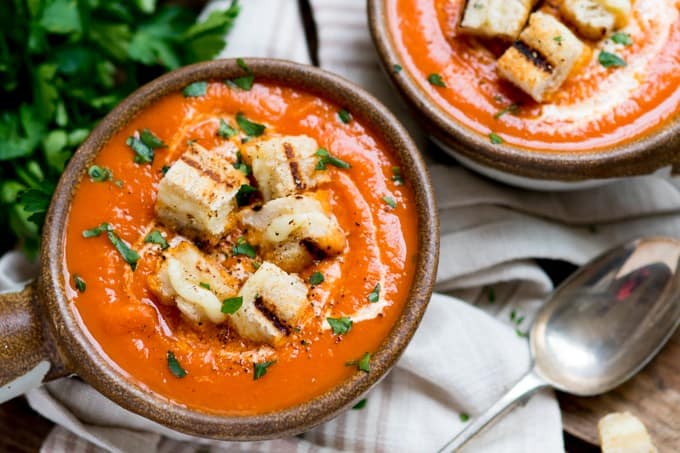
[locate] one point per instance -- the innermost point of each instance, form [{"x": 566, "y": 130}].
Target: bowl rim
[
  {"x": 645, "y": 154},
  {"x": 81, "y": 352}
]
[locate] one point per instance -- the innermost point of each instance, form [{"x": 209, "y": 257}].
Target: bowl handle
[{"x": 28, "y": 355}]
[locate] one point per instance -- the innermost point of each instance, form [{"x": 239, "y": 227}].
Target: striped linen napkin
[{"x": 465, "y": 354}]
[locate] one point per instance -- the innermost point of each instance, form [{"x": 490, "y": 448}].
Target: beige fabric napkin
[{"x": 466, "y": 353}]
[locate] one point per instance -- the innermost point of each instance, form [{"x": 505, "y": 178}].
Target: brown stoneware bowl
[
  {"x": 543, "y": 170},
  {"x": 42, "y": 337}
]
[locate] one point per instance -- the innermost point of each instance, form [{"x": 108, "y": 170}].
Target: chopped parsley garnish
[
  {"x": 245, "y": 194},
  {"x": 517, "y": 319},
  {"x": 96, "y": 231},
  {"x": 374, "y": 296},
  {"x": 495, "y": 138},
  {"x": 397, "y": 178},
  {"x": 151, "y": 140},
  {"x": 260, "y": 369},
  {"x": 144, "y": 146},
  {"x": 165, "y": 169},
  {"x": 610, "y": 60},
  {"x": 558, "y": 39},
  {"x": 389, "y": 201},
  {"x": 363, "y": 363},
  {"x": 99, "y": 174},
  {"x": 478, "y": 6},
  {"x": 340, "y": 326},
  {"x": 248, "y": 127},
  {"x": 360, "y": 405},
  {"x": 622, "y": 38},
  {"x": 243, "y": 248},
  {"x": 240, "y": 165},
  {"x": 231, "y": 305},
  {"x": 436, "y": 80},
  {"x": 464, "y": 417},
  {"x": 344, "y": 116},
  {"x": 521, "y": 334},
  {"x": 195, "y": 89},
  {"x": 155, "y": 237},
  {"x": 316, "y": 278},
  {"x": 225, "y": 130},
  {"x": 512, "y": 109},
  {"x": 244, "y": 82},
  {"x": 130, "y": 256},
  {"x": 80, "y": 283},
  {"x": 204, "y": 285},
  {"x": 174, "y": 366},
  {"x": 397, "y": 68},
  {"x": 325, "y": 159}
]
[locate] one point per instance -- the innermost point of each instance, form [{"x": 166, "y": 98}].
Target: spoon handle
[{"x": 525, "y": 387}]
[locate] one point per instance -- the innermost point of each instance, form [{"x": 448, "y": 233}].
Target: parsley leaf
[
  {"x": 240, "y": 165},
  {"x": 622, "y": 38},
  {"x": 463, "y": 417},
  {"x": 340, "y": 326},
  {"x": 344, "y": 116},
  {"x": 397, "y": 178},
  {"x": 143, "y": 153},
  {"x": 151, "y": 140},
  {"x": 495, "y": 139},
  {"x": 389, "y": 201},
  {"x": 204, "y": 285},
  {"x": 80, "y": 283},
  {"x": 316, "y": 278},
  {"x": 374, "y": 295},
  {"x": 325, "y": 159},
  {"x": 512, "y": 109},
  {"x": 96, "y": 231},
  {"x": 99, "y": 174},
  {"x": 244, "y": 82},
  {"x": 360, "y": 405},
  {"x": 225, "y": 130},
  {"x": 130, "y": 256},
  {"x": 195, "y": 89},
  {"x": 436, "y": 80},
  {"x": 610, "y": 60},
  {"x": 155, "y": 237},
  {"x": 260, "y": 369},
  {"x": 363, "y": 364},
  {"x": 174, "y": 366},
  {"x": 248, "y": 127},
  {"x": 245, "y": 194},
  {"x": 232, "y": 304},
  {"x": 243, "y": 248},
  {"x": 396, "y": 68}
]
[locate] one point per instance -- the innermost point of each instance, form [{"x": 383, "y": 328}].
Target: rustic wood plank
[
  {"x": 22, "y": 430},
  {"x": 653, "y": 396}
]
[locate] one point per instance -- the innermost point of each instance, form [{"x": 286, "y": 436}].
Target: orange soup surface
[
  {"x": 368, "y": 282},
  {"x": 596, "y": 107}
]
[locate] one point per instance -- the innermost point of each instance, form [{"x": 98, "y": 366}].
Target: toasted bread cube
[
  {"x": 198, "y": 193},
  {"x": 541, "y": 60},
  {"x": 194, "y": 282},
  {"x": 621, "y": 432},
  {"x": 284, "y": 166},
  {"x": 495, "y": 18},
  {"x": 273, "y": 301},
  {"x": 293, "y": 231},
  {"x": 589, "y": 17},
  {"x": 621, "y": 9}
]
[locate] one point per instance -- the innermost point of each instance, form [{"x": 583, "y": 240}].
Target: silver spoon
[{"x": 600, "y": 327}]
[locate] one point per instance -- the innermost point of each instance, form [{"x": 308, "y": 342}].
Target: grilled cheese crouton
[
  {"x": 495, "y": 18},
  {"x": 621, "y": 432},
  {"x": 293, "y": 231},
  {"x": 198, "y": 193},
  {"x": 621, "y": 9},
  {"x": 193, "y": 282},
  {"x": 284, "y": 166},
  {"x": 541, "y": 60},
  {"x": 273, "y": 301},
  {"x": 590, "y": 18}
]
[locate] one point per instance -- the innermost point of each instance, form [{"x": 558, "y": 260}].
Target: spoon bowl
[{"x": 600, "y": 327}]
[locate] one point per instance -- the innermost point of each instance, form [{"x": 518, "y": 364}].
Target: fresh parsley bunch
[{"x": 63, "y": 65}]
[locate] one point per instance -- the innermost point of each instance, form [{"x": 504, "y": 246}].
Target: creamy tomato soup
[
  {"x": 596, "y": 107},
  {"x": 132, "y": 235}
]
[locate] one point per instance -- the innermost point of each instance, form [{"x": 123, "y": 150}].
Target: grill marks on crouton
[
  {"x": 292, "y": 229},
  {"x": 536, "y": 57}
]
